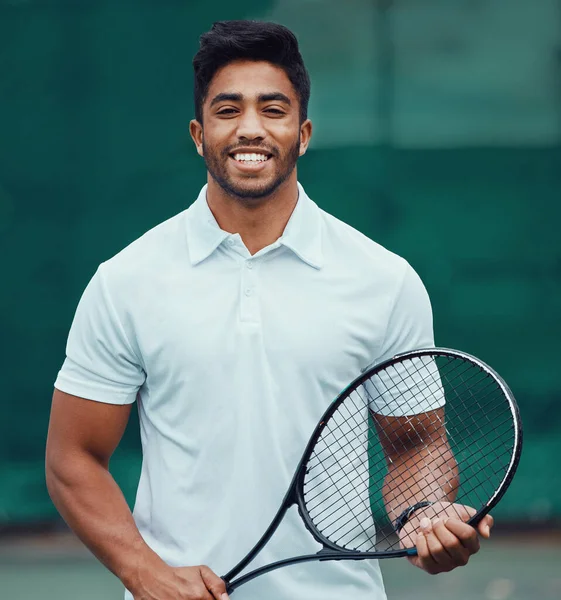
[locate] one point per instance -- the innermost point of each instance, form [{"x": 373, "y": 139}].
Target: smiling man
[
  {"x": 251, "y": 127},
  {"x": 233, "y": 325},
  {"x": 264, "y": 167}
]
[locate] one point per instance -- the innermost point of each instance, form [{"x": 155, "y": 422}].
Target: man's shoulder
[
  {"x": 346, "y": 241},
  {"x": 149, "y": 252}
]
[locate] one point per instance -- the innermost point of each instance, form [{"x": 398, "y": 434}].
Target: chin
[
  {"x": 256, "y": 191},
  {"x": 250, "y": 194}
]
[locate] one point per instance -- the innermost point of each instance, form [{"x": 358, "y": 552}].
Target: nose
[{"x": 250, "y": 126}]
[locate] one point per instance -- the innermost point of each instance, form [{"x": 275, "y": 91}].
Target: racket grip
[{"x": 411, "y": 551}]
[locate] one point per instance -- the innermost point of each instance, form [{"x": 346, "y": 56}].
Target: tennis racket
[{"x": 433, "y": 427}]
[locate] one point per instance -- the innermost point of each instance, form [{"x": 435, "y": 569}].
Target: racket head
[{"x": 338, "y": 484}]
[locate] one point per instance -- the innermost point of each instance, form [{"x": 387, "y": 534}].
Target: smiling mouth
[{"x": 251, "y": 158}]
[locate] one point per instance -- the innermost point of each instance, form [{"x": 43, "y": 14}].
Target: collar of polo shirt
[{"x": 302, "y": 233}]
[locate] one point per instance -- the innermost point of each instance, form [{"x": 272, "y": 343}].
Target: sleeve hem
[{"x": 94, "y": 392}]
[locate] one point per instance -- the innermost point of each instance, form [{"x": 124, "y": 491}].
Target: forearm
[
  {"x": 91, "y": 502},
  {"x": 418, "y": 474}
]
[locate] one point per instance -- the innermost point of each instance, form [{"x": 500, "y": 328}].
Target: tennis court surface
[{"x": 509, "y": 567}]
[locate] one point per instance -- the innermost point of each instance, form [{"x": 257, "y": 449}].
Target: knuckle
[
  {"x": 437, "y": 550},
  {"x": 455, "y": 545},
  {"x": 221, "y": 586},
  {"x": 217, "y": 587}
]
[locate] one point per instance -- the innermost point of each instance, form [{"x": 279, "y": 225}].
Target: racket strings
[
  {"x": 360, "y": 475},
  {"x": 490, "y": 382},
  {"x": 322, "y": 521},
  {"x": 351, "y": 507},
  {"x": 369, "y": 455},
  {"x": 391, "y": 390},
  {"x": 464, "y": 413},
  {"x": 468, "y": 413},
  {"x": 348, "y": 467}
]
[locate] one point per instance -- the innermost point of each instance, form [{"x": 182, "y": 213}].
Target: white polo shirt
[{"x": 232, "y": 359}]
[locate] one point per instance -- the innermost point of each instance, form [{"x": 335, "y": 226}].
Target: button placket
[{"x": 249, "y": 299}]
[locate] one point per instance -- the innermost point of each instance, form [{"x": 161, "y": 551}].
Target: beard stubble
[{"x": 216, "y": 164}]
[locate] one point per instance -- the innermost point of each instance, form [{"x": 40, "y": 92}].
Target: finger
[
  {"x": 465, "y": 533},
  {"x": 214, "y": 584},
  {"x": 407, "y": 538},
  {"x": 485, "y": 525},
  {"x": 424, "y": 559},
  {"x": 460, "y": 512},
  {"x": 451, "y": 544},
  {"x": 422, "y": 552},
  {"x": 437, "y": 551}
]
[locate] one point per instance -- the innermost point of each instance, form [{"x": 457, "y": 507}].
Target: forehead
[{"x": 250, "y": 78}]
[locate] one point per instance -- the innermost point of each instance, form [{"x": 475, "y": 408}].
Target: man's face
[{"x": 251, "y": 136}]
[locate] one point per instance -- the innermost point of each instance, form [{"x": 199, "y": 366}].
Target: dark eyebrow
[
  {"x": 274, "y": 96},
  {"x": 225, "y": 97},
  {"x": 236, "y": 97}
]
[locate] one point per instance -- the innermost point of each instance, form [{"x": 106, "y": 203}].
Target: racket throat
[
  {"x": 324, "y": 554},
  {"x": 289, "y": 500}
]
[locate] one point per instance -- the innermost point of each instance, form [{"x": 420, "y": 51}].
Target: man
[{"x": 233, "y": 324}]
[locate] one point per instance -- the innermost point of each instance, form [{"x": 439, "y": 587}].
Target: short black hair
[{"x": 229, "y": 41}]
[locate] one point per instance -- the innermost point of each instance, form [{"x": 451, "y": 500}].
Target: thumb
[
  {"x": 214, "y": 584},
  {"x": 484, "y": 528},
  {"x": 463, "y": 512}
]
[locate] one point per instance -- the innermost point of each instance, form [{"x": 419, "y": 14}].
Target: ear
[
  {"x": 196, "y": 131},
  {"x": 305, "y": 136}
]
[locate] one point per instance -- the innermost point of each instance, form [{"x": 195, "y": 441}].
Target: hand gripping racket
[{"x": 431, "y": 427}]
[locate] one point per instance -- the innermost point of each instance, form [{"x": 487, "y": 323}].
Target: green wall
[{"x": 95, "y": 100}]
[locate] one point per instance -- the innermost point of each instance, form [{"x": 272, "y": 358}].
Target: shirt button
[
  {"x": 231, "y": 241},
  {"x": 249, "y": 264},
  {"x": 248, "y": 292}
]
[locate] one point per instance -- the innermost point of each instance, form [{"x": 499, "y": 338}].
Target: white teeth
[{"x": 250, "y": 157}]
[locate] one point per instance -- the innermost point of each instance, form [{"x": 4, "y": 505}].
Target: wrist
[{"x": 143, "y": 565}]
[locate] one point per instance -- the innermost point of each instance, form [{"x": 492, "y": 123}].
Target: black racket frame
[{"x": 295, "y": 493}]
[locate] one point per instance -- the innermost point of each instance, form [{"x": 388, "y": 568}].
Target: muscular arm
[
  {"x": 82, "y": 437},
  {"x": 420, "y": 463}
]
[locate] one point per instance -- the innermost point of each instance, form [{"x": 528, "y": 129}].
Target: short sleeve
[
  {"x": 100, "y": 362},
  {"x": 410, "y": 324},
  {"x": 413, "y": 387}
]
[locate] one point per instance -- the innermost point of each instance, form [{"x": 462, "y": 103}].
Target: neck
[{"x": 260, "y": 222}]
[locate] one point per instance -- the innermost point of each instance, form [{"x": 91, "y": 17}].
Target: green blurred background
[{"x": 437, "y": 133}]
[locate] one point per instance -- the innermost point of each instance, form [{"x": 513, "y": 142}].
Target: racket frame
[{"x": 295, "y": 493}]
